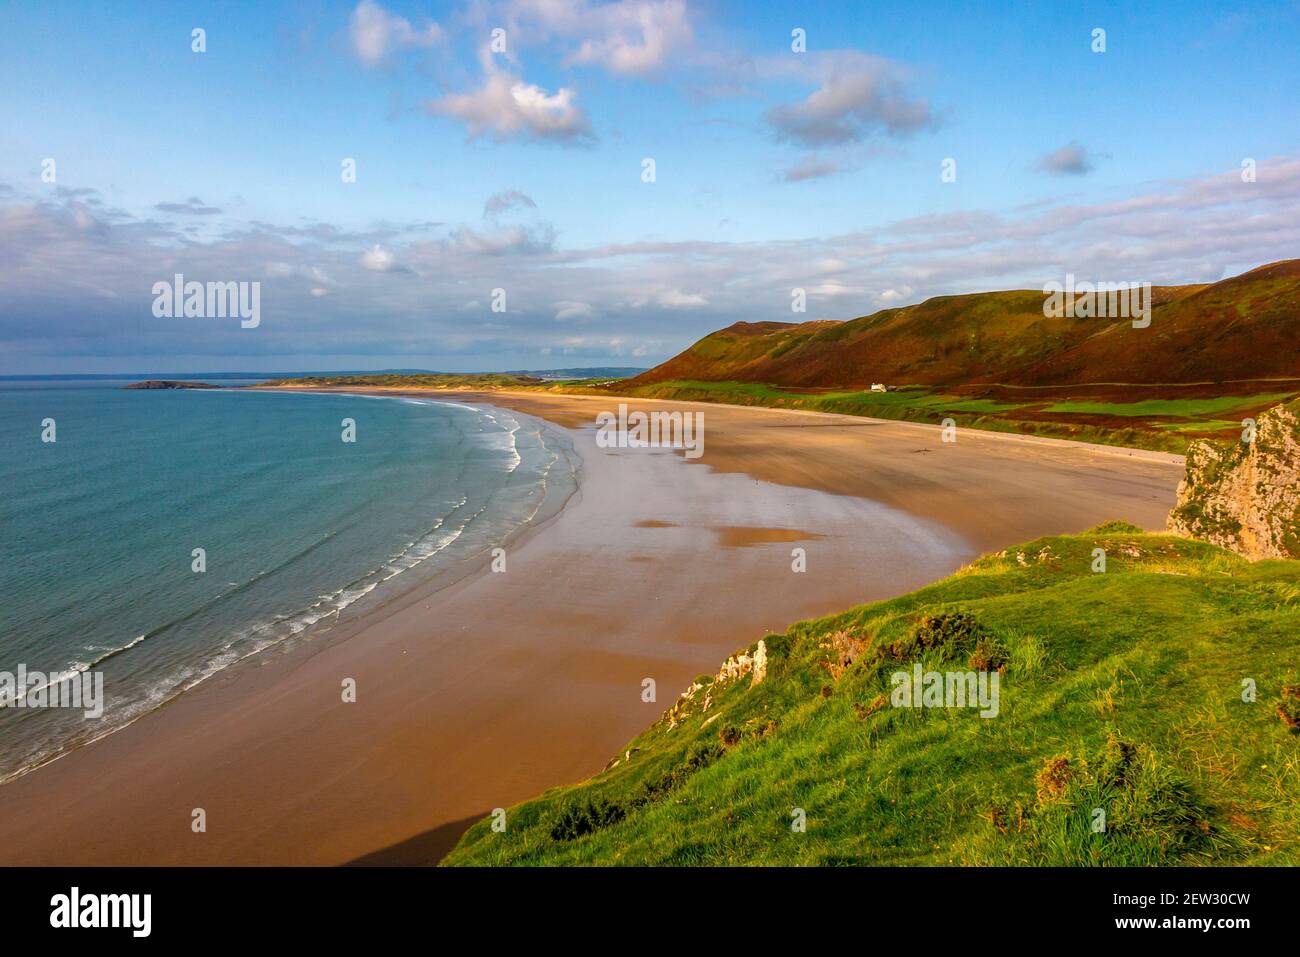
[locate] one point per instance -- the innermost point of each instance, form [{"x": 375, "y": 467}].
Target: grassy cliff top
[{"x": 1120, "y": 690}]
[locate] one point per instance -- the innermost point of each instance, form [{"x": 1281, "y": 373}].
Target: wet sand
[{"x": 483, "y": 693}]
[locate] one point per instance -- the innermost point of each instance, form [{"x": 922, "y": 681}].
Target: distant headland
[{"x": 170, "y": 384}]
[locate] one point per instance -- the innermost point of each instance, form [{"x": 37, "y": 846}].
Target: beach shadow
[{"x": 423, "y": 850}]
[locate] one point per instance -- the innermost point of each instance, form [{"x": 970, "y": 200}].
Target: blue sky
[{"x": 774, "y": 169}]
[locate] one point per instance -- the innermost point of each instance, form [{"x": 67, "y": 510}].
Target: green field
[
  {"x": 1159, "y": 424},
  {"x": 905, "y": 403},
  {"x": 1184, "y": 408},
  {"x": 1120, "y": 691}
]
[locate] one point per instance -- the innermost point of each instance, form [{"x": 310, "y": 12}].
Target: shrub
[
  {"x": 948, "y": 635},
  {"x": 585, "y": 817},
  {"x": 989, "y": 655}
]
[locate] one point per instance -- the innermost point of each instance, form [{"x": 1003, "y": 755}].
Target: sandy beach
[{"x": 481, "y": 693}]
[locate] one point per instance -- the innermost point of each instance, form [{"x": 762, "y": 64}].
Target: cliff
[{"x": 1246, "y": 496}]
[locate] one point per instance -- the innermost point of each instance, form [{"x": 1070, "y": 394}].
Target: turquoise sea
[{"x": 300, "y": 529}]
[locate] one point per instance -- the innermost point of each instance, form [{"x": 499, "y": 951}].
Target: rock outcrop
[
  {"x": 1246, "y": 496},
  {"x": 737, "y": 666}
]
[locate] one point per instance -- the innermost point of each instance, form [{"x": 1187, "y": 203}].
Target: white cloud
[
  {"x": 637, "y": 37},
  {"x": 375, "y": 33},
  {"x": 506, "y": 240},
  {"x": 378, "y": 259},
  {"x": 70, "y": 292},
  {"x": 891, "y": 296},
  {"x": 834, "y": 288},
  {"x": 505, "y": 107},
  {"x": 676, "y": 299},
  {"x": 568, "y": 310},
  {"x": 626, "y": 37}
]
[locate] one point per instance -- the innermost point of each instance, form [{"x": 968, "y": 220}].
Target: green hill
[
  {"x": 1241, "y": 328},
  {"x": 1120, "y": 691}
]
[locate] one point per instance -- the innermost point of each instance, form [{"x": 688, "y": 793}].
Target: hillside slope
[
  {"x": 1120, "y": 691},
  {"x": 1245, "y": 327}
]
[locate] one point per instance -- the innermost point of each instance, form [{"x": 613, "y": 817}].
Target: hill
[
  {"x": 1241, "y": 328},
  {"x": 1125, "y": 731},
  {"x": 1212, "y": 356}
]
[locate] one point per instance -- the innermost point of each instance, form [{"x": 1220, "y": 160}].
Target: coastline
[
  {"x": 490, "y": 689},
  {"x": 871, "y": 458},
  {"x": 329, "y": 604}
]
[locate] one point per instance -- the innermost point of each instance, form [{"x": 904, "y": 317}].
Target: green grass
[
  {"x": 1121, "y": 690},
  {"x": 1142, "y": 426},
  {"x": 1185, "y": 408},
  {"x": 910, "y": 399},
  {"x": 913, "y": 404},
  {"x": 1200, "y": 426}
]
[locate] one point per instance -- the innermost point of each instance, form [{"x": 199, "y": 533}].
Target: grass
[
  {"x": 1121, "y": 692},
  {"x": 1184, "y": 408},
  {"x": 1167, "y": 425},
  {"x": 908, "y": 402}
]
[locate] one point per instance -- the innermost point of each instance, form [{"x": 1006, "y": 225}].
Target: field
[{"x": 1165, "y": 424}]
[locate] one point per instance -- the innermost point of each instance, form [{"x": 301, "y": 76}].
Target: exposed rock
[
  {"x": 1246, "y": 496},
  {"x": 737, "y": 666},
  {"x": 847, "y": 649}
]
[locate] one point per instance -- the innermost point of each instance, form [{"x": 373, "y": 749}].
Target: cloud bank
[{"x": 79, "y": 275}]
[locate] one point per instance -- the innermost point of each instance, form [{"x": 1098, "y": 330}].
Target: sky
[{"x": 563, "y": 183}]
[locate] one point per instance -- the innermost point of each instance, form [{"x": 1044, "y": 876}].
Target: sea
[{"x": 160, "y": 537}]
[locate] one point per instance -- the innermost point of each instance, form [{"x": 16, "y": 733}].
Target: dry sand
[{"x": 480, "y": 694}]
